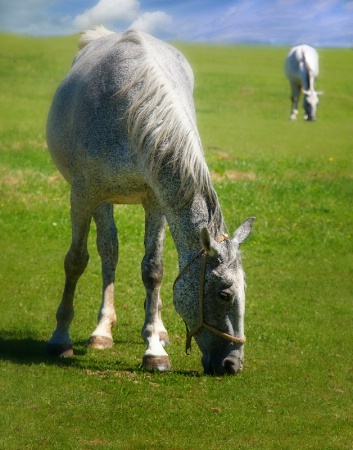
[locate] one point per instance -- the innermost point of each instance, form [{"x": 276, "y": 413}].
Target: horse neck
[
  {"x": 308, "y": 77},
  {"x": 186, "y": 224}
]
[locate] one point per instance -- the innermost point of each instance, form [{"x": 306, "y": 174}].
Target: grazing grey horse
[
  {"x": 302, "y": 68},
  {"x": 122, "y": 130}
]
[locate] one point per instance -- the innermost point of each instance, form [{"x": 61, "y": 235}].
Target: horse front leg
[
  {"x": 295, "y": 99},
  {"x": 153, "y": 331},
  {"x": 76, "y": 260},
  {"x": 107, "y": 245}
]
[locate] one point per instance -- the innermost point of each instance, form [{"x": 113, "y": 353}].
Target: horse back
[
  {"x": 87, "y": 123},
  {"x": 302, "y": 62}
]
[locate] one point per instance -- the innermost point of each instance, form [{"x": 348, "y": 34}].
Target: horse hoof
[
  {"x": 164, "y": 338},
  {"x": 60, "y": 350},
  {"x": 159, "y": 363},
  {"x": 100, "y": 342}
]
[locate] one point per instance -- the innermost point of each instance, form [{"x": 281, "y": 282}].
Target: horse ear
[
  {"x": 243, "y": 231},
  {"x": 206, "y": 242}
]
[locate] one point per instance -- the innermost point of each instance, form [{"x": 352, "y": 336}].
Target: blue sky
[{"x": 321, "y": 23}]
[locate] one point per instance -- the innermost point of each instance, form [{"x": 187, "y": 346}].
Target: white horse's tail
[{"x": 96, "y": 32}]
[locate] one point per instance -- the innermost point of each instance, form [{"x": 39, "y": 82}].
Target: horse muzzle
[{"x": 232, "y": 364}]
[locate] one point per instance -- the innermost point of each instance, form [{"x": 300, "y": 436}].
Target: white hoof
[{"x": 159, "y": 363}]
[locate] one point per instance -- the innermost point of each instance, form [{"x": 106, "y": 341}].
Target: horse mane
[
  {"x": 308, "y": 71},
  {"x": 89, "y": 35},
  {"x": 164, "y": 132}
]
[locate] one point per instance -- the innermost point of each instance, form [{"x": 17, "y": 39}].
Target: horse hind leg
[
  {"x": 76, "y": 260},
  {"x": 153, "y": 331},
  {"x": 107, "y": 245}
]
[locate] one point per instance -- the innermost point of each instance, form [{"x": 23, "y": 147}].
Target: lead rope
[{"x": 191, "y": 333}]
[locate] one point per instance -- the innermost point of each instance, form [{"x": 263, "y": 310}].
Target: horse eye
[{"x": 225, "y": 296}]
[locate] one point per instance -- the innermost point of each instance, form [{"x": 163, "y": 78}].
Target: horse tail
[{"x": 89, "y": 35}]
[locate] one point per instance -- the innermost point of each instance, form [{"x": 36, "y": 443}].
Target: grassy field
[{"x": 296, "y": 391}]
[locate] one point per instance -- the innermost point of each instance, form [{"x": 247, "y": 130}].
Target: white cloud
[
  {"x": 123, "y": 14},
  {"x": 152, "y": 22},
  {"x": 108, "y": 12},
  {"x": 60, "y": 17}
]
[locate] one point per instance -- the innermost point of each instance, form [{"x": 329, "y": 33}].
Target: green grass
[{"x": 297, "y": 388}]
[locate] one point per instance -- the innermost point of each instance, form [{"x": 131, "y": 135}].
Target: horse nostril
[{"x": 231, "y": 366}]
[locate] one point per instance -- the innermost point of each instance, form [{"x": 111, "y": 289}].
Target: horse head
[
  {"x": 209, "y": 294},
  {"x": 310, "y": 102}
]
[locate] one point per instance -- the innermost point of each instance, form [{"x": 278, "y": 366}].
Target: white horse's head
[
  {"x": 209, "y": 294},
  {"x": 310, "y": 102}
]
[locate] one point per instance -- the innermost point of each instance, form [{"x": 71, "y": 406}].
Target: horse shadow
[{"x": 28, "y": 350}]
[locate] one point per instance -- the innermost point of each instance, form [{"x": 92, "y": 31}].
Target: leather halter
[{"x": 201, "y": 323}]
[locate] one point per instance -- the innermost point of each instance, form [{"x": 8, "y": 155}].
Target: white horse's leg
[
  {"x": 107, "y": 244},
  {"x": 153, "y": 331},
  {"x": 295, "y": 98},
  {"x": 76, "y": 261}
]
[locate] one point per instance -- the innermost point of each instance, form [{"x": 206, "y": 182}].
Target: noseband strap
[{"x": 201, "y": 323}]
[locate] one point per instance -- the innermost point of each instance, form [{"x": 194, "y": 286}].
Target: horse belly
[
  {"x": 132, "y": 199},
  {"x": 125, "y": 189}
]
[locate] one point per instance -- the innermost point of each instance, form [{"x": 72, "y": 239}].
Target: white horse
[
  {"x": 302, "y": 68},
  {"x": 122, "y": 129}
]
